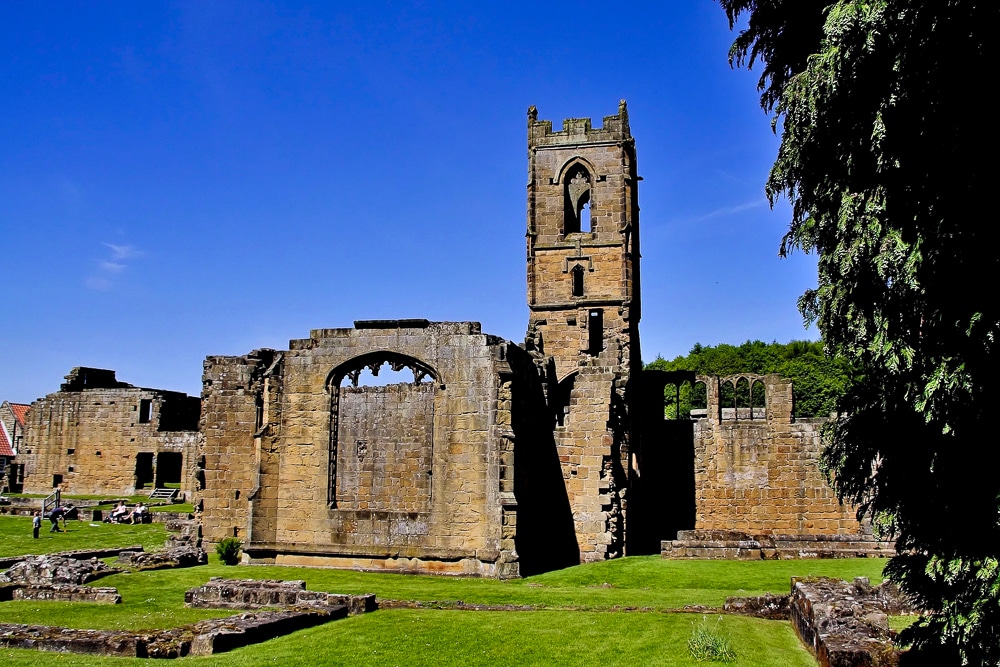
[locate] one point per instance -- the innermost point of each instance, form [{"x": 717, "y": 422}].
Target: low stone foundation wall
[
  {"x": 248, "y": 629},
  {"x": 183, "y": 556},
  {"x": 732, "y": 545},
  {"x": 68, "y": 593},
  {"x": 50, "y": 569},
  {"x": 203, "y": 638},
  {"x": 65, "y": 640},
  {"x": 219, "y": 593},
  {"x": 80, "y": 554},
  {"x": 468, "y": 567},
  {"x": 846, "y": 624}
]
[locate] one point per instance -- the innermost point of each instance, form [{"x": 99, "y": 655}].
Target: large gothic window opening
[
  {"x": 382, "y": 408},
  {"x": 577, "y": 200}
]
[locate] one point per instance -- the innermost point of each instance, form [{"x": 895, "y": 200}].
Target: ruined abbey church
[{"x": 498, "y": 458}]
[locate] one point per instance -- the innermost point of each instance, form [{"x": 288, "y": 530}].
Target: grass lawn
[
  {"x": 15, "y": 536},
  {"x": 433, "y": 638},
  {"x": 582, "y": 620}
]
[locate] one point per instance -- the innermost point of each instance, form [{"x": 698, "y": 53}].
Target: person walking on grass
[{"x": 36, "y": 524}]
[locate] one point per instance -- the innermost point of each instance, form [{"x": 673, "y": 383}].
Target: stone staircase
[{"x": 163, "y": 494}]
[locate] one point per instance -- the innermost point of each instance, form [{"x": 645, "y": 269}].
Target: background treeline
[{"x": 817, "y": 380}]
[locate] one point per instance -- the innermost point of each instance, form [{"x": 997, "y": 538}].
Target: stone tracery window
[
  {"x": 577, "y": 200},
  {"x": 379, "y": 432}
]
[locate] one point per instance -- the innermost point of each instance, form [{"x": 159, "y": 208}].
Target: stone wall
[
  {"x": 230, "y": 426},
  {"x": 391, "y": 429},
  {"x": 762, "y": 475},
  {"x": 310, "y": 470},
  {"x": 97, "y": 435}
]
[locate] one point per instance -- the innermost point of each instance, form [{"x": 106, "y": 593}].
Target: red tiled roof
[
  {"x": 5, "y": 449},
  {"x": 19, "y": 410}
]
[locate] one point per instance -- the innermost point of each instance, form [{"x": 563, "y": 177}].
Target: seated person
[
  {"x": 119, "y": 513},
  {"x": 139, "y": 513}
]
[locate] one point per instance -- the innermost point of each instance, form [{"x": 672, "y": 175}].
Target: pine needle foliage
[{"x": 887, "y": 136}]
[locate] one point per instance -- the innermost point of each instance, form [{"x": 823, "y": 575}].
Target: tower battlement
[{"x": 578, "y": 130}]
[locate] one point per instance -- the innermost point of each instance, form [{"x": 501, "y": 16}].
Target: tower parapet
[{"x": 579, "y": 130}]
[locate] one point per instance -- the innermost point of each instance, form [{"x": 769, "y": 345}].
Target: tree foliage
[
  {"x": 817, "y": 380},
  {"x": 887, "y": 156}
]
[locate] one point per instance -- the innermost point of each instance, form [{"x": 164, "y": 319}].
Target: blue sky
[{"x": 188, "y": 179}]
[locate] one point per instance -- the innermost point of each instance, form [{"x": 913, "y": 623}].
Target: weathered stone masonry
[
  {"x": 311, "y": 470},
  {"x": 497, "y": 459},
  {"x": 583, "y": 299},
  {"x": 97, "y": 435}
]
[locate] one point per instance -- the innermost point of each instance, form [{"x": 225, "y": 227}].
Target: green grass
[
  {"x": 433, "y": 638},
  {"x": 582, "y": 620},
  {"x": 83, "y": 496},
  {"x": 15, "y": 536},
  {"x": 186, "y": 508}
]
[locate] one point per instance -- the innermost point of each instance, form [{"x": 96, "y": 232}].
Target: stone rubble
[
  {"x": 170, "y": 557},
  {"x": 52, "y": 569}
]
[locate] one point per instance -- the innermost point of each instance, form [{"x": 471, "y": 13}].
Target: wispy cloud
[
  {"x": 731, "y": 210},
  {"x": 123, "y": 251},
  {"x": 107, "y": 269}
]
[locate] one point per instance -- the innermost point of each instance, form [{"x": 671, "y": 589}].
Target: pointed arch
[
  {"x": 562, "y": 176},
  {"x": 373, "y": 361}
]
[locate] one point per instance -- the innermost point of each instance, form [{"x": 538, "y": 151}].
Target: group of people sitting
[{"x": 122, "y": 514}]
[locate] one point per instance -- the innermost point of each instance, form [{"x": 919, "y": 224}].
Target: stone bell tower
[{"x": 583, "y": 300}]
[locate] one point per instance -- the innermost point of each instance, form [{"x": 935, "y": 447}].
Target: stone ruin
[
  {"x": 292, "y": 608},
  {"x": 220, "y": 593},
  {"x": 843, "y": 624},
  {"x": 497, "y": 459},
  {"x": 168, "y": 557},
  {"x": 58, "y": 578}
]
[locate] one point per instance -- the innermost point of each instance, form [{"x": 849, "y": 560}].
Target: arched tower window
[
  {"x": 577, "y": 280},
  {"x": 577, "y": 206}
]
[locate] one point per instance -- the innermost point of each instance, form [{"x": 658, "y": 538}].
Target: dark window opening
[
  {"x": 168, "y": 470},
  {"x": 143, "y": 469},
  {"x": 699, "y": 400},
  {"x": 56, "y": 480},
  {"x": 577, "y": 280},
  {"x": 97, "y": 453},
  {"x": 758, "y": 400},
  {"x": 577, "y": 201},
  {"x": 727, "y": 400},
  {"x": 259, "y": 419},
  {"x": 145, "y": 410},
  {"x": 236, "y": 496},
  {"x": 71, "y": 451},
  {"x": 742, "y": 393},
  {"x": 595, "y": 327}
]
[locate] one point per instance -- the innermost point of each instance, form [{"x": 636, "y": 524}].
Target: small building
[
  {"x": 11, "y": 436},
  {"x": 98, "y": 435}
]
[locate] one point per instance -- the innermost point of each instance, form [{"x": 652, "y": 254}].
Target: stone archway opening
[{"x": 382, "y": 408}]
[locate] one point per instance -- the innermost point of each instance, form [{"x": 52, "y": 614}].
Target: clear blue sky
[{"x": 186, "y": 179}]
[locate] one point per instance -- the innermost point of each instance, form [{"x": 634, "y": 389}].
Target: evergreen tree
[{"x": 888, "y": 140}]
